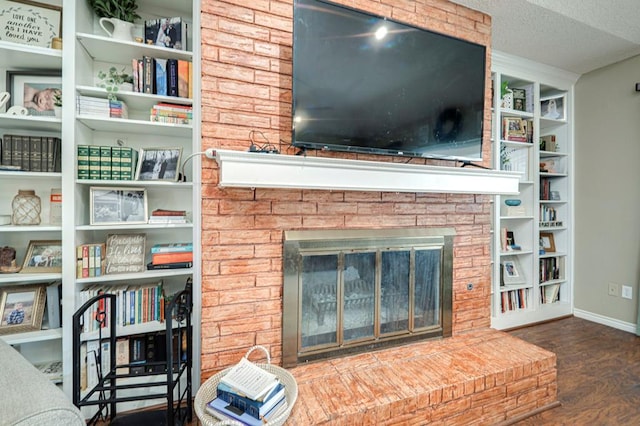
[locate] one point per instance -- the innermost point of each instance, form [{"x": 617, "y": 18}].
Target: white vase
[
  {"x": 57, "y": 111},
  {"x": 121, "y": 30}
]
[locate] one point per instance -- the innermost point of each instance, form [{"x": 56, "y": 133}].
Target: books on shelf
[
  {"x": 550, "y": 293},
  {"x": 106, "y": 162},
  {"x": 101, "y": 107},
  {"x": 171, "y": 247},
  {"x": 168, "y": 216},
  {"x": 90, "y": 260},
  {"x": 31, "y": 153},
  {"x": 172, "y": 113},
  {"x": 175, "y": 257}
]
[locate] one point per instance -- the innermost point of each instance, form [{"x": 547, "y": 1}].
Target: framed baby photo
[
  {"x": 43, "y": 257},
  {"x": 159, "y": 164},
  {"x": 39, "y": 92},
  {"x": 22, "y": 308}
]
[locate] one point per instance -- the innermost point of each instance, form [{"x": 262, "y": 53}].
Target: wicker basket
[{"x": 207, "y": 392}]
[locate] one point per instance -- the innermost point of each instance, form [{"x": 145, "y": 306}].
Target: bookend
[{"x": 165, "y": 375}]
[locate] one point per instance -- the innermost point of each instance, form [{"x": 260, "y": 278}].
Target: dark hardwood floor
[{"x": 598, "y": 373}]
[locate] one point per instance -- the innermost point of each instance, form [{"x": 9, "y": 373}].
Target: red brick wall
[{"x": 246, "y": 86}]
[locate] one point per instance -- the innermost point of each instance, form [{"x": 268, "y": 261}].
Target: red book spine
[{"x": 162, "y": 258}]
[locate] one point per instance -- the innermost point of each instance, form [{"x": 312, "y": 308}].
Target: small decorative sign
[
  {"x": 125, "y": 253},
  {"x": 29, "y": 22}
]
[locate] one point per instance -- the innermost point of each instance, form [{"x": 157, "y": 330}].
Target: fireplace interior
[{"x": 353, "y": 291}]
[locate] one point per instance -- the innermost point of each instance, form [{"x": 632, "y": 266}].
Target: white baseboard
[{"x": 600, "y": 319}]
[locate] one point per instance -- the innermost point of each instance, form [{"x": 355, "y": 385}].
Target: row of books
[
  {"x": 168, "y": 216},
  {"x": 514, "y": 300},
  {"x": 135, "y": 304},
  {"x": 137, "y": 354},
  {"x": 171, "y": 256},
  {"x": 549, "y": 269},
  {"x": 31, "y": 153},
  {"x": 90, "y": 260},
  {"x": 172, "y": 113},
  {"x": 165, "y": 77},
  {"x": 550, "y": 293},
  {"x": 101, "y": 107},
  {"x": 248, "y": 394},
  {"x": 548, "y": 214},
  {"x": 106, "y": 162}
]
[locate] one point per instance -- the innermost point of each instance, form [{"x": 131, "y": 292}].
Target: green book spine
[
  {"x": 126, "y": 163},
  {"x": 116, "y": 169},
  {"x": 105, "y": 163},
  {"x": 94, "y": 162},
  {"x": 83, "y": 162}
]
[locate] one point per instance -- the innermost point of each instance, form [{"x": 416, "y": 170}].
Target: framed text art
[{"x": 30, "y": 22}]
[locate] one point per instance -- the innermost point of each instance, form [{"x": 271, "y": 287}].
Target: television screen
[{"x": 364, "y": 83}]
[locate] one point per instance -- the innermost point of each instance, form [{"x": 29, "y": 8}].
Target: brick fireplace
[{"x": 246, "y": 86}]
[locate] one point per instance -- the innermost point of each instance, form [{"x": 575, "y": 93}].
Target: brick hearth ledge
[{"x": 481, "y": 377}]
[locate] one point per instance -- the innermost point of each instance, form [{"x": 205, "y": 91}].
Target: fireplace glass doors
[{"x": 356, "y": 290}]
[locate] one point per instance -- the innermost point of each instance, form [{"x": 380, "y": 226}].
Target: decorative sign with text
[
  {"x": 125, "y": 253},
  {"x": 29, "y": 22}
]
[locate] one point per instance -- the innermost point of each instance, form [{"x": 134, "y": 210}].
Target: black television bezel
[{"x": 305, "y": 145}]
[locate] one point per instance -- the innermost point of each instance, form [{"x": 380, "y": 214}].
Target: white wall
[{"x": 607, "y": 190}]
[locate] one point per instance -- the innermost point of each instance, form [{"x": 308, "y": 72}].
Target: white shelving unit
[
  {"x": 87, "y": 49},
  {"x": 541, "y": 287}
]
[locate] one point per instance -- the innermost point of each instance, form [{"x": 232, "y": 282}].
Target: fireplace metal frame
[{"x": 298, "y": 242}]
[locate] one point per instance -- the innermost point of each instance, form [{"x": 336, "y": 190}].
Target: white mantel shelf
[{"x": 260, "y": 170}]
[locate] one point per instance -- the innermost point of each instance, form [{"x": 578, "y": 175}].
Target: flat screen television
[{"x": 364, "y": 83}]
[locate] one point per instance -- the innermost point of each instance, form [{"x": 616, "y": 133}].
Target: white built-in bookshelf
[
  {"x": 532, "y": 242},
  {"x": 86, "y": 50}
]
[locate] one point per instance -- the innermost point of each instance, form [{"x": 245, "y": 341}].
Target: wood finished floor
[{"x": 598, "y": 373}]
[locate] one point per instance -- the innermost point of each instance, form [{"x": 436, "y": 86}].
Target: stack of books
[
  {"x": 101, "y": 107},
  {"x": 168, "y": 216},
  {"x": 172, "y": 113},
  {"x": 248, "y": 394},
  {"x": 171, "y": 256}
]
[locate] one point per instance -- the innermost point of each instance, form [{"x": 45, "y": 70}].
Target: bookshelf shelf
[
  {"x": 87, "y": 50},
  {"x": 545, "y": 156},
  {"x": 33, "y": 336}
]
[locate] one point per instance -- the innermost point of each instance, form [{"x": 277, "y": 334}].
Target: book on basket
[
  {"x": 255, "y": 408},
  {"x": 225, "y": 411},
  {"x": 250, "y": 380}
]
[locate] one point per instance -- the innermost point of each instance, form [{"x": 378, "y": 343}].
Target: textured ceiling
[{"x": 574, "y": 35}]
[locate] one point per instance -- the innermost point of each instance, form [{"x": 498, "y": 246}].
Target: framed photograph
[
  {"x": 159, "y": 164},
  {"x": 511, "y": 271},
  {"x": 43, "y": 256},
  {"x": 553, "y": 107},
  {"x": 519, "y": 99},
  {"x": 45, "y": 22},
  {"x": 36, "y": 91},
  {"x": 21, "y": 308},
  {"x": 547, "y": 242},
  {"x": 111, "y": 206}
]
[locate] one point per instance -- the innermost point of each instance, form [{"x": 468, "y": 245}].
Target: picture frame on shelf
[
  {"x": 35, "y": 91},
  {"x": 117, "y": 205},
  {"x": 511, "y": 271},
  {"x": 45, "y": 20},
  {"x": 21, "y": 308},
  {"x": 553, "y": 107},
  {"x": 519, "y": 99},
  {"x": 43, "y": 257},
  {"x": 547, "y": 242},
  {"x": 159, "y": 164}
]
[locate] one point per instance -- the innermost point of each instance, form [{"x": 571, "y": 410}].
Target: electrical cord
[{"x": 182, "y": 177}]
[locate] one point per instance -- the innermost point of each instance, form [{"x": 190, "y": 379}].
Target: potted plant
[
  {"x": 114, "y": 80},
  {"x": 120, "y": 14}
]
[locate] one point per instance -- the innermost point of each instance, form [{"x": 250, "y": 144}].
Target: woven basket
[{"x": 207, "y": 392}]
